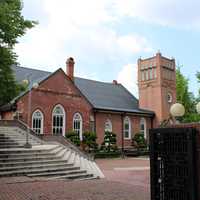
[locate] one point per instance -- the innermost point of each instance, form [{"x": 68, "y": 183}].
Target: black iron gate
[{"x": 172, "y": 160}]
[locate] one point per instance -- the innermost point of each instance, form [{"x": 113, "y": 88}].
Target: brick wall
[
  {"x": 117, "y": 126},
  {"x": 153, "y": 92},
  {"x": 49, "y": 94}
]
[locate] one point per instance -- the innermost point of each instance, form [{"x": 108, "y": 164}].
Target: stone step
[
  {"x": 25, "y": 159},
  {"x": 78, "y": 176},
  {"x": 20, "y": 141},
  {"x": 11, "y": 146},
  {"x": 11, "y": 135},
  {"x": 35, "y": 166},
  {"x": 87, "y": 178},
  {"x": 2, "y": 139},
  {"x": 20, "y": 137},
  {"x": 8, "y": 143},
  {"x": 35, "y": 171},
  {"x": 43, "y": 148},
  {"x": 72, "y": 157},
  {"x": 98, "y": 173},
  {"x": 28, "y": 154},
  {"x": 55, "y": 175},
  {"x": 5, "y": 164}
]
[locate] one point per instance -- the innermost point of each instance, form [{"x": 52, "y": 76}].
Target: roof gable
[
  {"x": 109, "y": 95},
  {"x": 100, "y": 95}
]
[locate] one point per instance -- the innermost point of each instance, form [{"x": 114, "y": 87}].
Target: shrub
[
  {"x": 73, "y": 137},
  {"x": 110, "y": 142},
  {"x": 139, "y": 140},
  {"x": 89, "y": 140}
]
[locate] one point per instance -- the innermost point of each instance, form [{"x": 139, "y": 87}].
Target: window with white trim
[
  {"x": 143, "y": 127},
  {"x": 108, "y": 126},
  {"x": 77, "y": 125},
  {"x": 58, "y": 120},
  {"x": 169, "y": 98},
  {"x": 37, "y": 122},
  {"x": 127, "y": 128}
]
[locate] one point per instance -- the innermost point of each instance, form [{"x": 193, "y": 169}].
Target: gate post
[{"x": 172, "y": 161}]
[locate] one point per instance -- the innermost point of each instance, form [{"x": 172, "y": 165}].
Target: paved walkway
[{"x": 123, "y": 184}]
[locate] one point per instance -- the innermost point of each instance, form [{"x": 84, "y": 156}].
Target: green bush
[
  {"x": 110, "y": 142},
  {"x": 89, "y": 140},
  {"x": 73, "y": 137},
  {"x": 139, "y": 140}
]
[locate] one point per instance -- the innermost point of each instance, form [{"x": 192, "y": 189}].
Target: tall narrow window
[
  {"x": 146, "y": 75},
  {"x": 108, "y": 126},
  {"x": 142, "y": 73},
  {"x": 143, "y": 127},
  {"x": 127, "y": 128},
  {"x": 151, "y": 74},
  {"x": 37, "y": 122},
  {"x": 58, "y": 120},
  {"x": 155, "y": 73},
  {"x": 77, "y": 125}
]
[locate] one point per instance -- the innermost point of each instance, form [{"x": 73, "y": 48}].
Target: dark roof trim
[{"x": 133, "y": 112}]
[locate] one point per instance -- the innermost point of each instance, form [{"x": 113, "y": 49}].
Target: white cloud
[
  {"x": 174, "y": 13},
  {"x": 77, "y": 28},
  {"x": 128, "y": 77}
]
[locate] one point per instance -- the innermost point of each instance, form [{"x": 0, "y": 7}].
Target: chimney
[
  {"x": 70, "y": 68},
  {"x": 115, "y": 82}
]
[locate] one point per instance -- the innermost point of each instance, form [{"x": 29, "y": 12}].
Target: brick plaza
[{"x": 125, "y": 180}]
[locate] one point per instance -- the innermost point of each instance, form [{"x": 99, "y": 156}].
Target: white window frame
[
  {"x": 144, "y": 122},
  {"x": 169, "y": 97},
  {"x": 127, "y": 119},
  {"x": 109, "y": 123},
  {"x": 77, "y": 118},
  {"x": 64, "y": 119},
  {"x": 38, "y": 118}
]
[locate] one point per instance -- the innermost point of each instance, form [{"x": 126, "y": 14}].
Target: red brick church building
[{"x": 63, "y": 102}]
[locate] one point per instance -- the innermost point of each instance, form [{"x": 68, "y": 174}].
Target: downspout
[
  {"x": 95, "y": 130},
  {"x": 122, "y": 134}
]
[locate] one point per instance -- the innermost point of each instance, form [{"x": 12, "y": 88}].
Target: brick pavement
[{"x": 119, "y": 185}]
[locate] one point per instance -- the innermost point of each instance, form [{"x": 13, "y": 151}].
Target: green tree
[
  {"x": 185, "y": 97},
  {"x": 12, "y": 26},
  {"x": 110, "y": 142},
  {"x": 198, "y": 79}
]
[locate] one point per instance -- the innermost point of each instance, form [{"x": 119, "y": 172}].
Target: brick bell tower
[{"x": 157, "y": 85}]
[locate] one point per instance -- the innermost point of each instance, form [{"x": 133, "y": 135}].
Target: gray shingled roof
[{"x": 104, "y": 96}]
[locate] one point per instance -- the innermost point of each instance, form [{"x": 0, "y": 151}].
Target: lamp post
[
  {"x": 34, "y": 86},
  {"x": 177, "y": 110}
]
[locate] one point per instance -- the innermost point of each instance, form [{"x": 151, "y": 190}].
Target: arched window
[
  {"x": 37, "y": 122},
  {"x": 77, "y": 125},
  {"x": 108, "y": 126},
  {"x": 143, "y": 127},
  {"x": 127, "y": 128},
  {"x": 58, "y": 120}
]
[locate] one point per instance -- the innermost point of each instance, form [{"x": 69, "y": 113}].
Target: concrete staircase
[{"x": 49, "y": 160}]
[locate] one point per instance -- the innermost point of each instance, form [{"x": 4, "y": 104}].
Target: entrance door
[{"x": 59, "y": 120}]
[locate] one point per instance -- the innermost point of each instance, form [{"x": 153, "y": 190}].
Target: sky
[{"x": 106, "y": 37}]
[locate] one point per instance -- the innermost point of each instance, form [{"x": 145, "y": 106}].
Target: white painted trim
[
  {"x": 42, "y": 120},
  {"x": 110, "y": 125},
  {"x": 143, "y": 120},
  {"x": 129, "y": 131},
  {"x": 81, "y": 125},
  {"x": 64, "y": 118}
]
